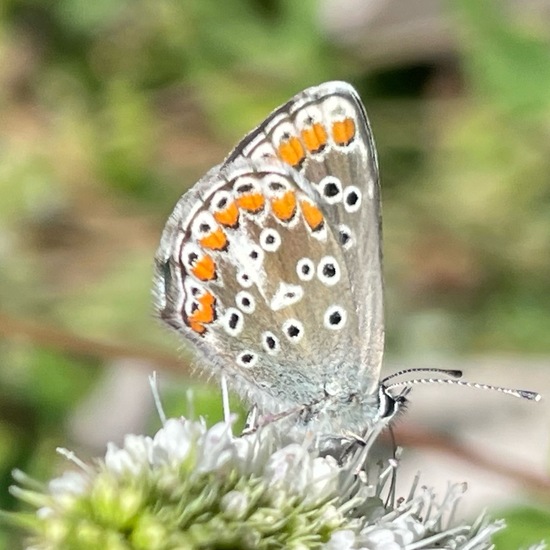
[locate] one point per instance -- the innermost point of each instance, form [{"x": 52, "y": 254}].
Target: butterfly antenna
[
  {"x": 455, "y": 373},
  {"x": 522, "y": 394}
]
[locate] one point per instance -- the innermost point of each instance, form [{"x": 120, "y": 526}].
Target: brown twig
[
  {"x": 409, "y": 435},
  {"x": 51, "y": 337}
]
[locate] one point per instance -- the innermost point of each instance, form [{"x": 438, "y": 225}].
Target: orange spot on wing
[
  {"x": 197, "y": 327},
  {"x": 229, "y": 216},
  {"x": 315, "y": 137},
  {"x": 204, "y": 269},
  {"x": 313, "y": 216},
  {"x": 343, "y": 131},
  {"x": 292, "y": 151},
  {"x": 205, "y": 313},
  {"x": 284, "y": 207},
  {"x": 252, "y": 202},
  {"x": 215, "y": 240}
]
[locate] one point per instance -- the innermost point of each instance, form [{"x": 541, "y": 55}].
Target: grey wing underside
[{"x": 293, "y": 373}]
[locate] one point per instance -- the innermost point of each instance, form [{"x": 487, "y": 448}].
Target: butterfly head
[{"x": 389, "y": 404}]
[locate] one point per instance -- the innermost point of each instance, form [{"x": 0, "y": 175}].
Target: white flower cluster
[{"x": 194, "y": 487}]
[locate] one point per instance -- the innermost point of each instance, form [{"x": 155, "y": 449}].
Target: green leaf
[
  {"x": 526, "y": 526},
  {"x": 506, "y": 63}
]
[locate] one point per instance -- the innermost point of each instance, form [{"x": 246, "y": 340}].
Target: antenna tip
[
  {"x": 531, "y": 395},
  {"x": 455, "y": 373}
]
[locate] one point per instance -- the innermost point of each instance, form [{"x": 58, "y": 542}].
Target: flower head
[{"x": 194, "y": 487}]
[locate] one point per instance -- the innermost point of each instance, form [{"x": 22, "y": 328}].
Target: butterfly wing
[
  {"x": 250, "y": 271},
  {"x": 324, "y": 134}
]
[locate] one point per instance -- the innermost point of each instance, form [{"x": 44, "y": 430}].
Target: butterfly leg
[{"x": 254, "y": 421}]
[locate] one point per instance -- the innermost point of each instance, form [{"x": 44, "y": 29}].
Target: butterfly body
[{"x": 271, "y": 266}]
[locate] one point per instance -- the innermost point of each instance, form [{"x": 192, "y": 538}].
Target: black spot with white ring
[
  {"x": 203, "y": 224},
  {"x": 256, "y": 255},
  {"x": 244, "y": 188},
  {"x": 270, "y": 240},
  {"x": 305, "y": 269},
  {"x": 330, "y": 189},
  {"x": 220, "y": 200},
  {"x": 328, "y": 271},
  {"x": 191, "y": 289},
  {"x": 275, "y": 186},
  {"x": 270, "y": 343},
  {"x": 335, "y": 318},
  {"x": 263, "y": 149},
  {"x": 244, "y": 279},
  {"x": 247, "y": 359},
  {"x": 245, "y": 301},
  {"x": 352, "y": 198},
  {"x": 345, "y": 236},
  {"x": 233, "y": 321},
  {"x": 293, "y": 330}
]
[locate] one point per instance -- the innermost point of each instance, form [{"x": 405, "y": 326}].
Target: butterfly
[{"x": 271, "y": 265}]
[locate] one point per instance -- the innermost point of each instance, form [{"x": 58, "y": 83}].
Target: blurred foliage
[
  {"x": 526, "y": 526},
  {"x": 112, "y": 108}
]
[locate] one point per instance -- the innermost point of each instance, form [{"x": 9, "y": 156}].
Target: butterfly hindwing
[{"x": 253, "y": 274}]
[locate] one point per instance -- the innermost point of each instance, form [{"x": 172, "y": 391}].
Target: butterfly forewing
[{"x": 324, "y": 134}]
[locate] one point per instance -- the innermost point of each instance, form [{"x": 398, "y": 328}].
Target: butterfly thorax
[{"x": 336, "y": 415}]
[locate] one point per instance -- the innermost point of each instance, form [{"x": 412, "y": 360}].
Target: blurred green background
[{"x": 110, "y": 109}]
